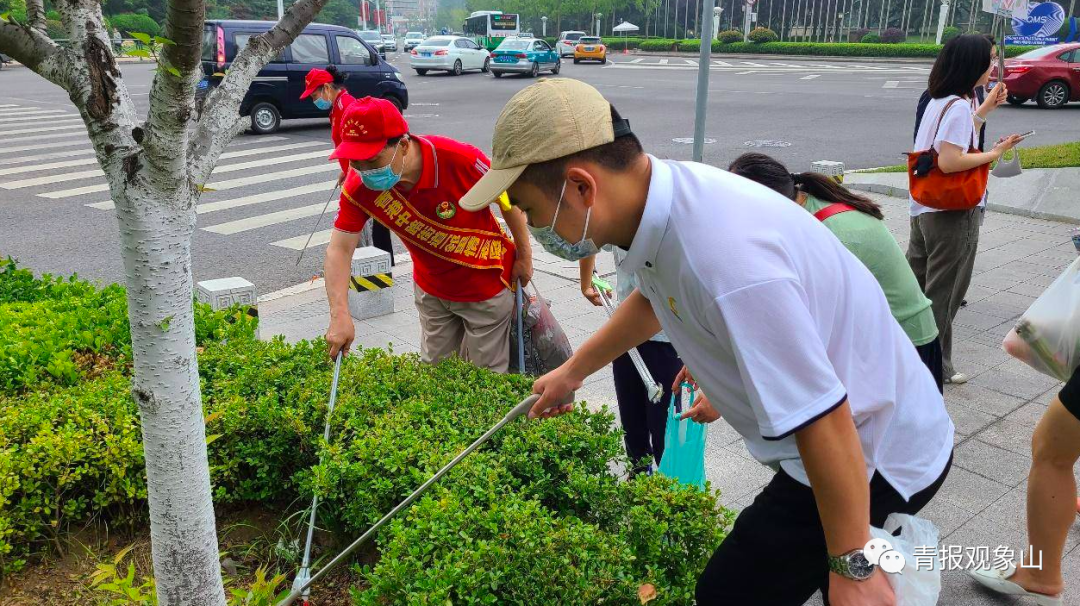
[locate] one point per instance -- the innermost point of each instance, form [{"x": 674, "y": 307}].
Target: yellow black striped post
[{"x": 374, "y": 282}]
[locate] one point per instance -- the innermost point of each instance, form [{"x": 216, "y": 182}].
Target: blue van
[{"x": 274, "y": 94}]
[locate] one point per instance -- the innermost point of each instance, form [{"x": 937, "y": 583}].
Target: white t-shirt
[
  {"x": 780, "y": 324},
  {"x": 626, "y": 283},
  {"x": 957, "y": 127}
]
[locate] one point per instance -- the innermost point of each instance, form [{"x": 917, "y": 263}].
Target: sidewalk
[
  {"x": 982, "y": 502},
  {"x": 1042, "y": 193}
]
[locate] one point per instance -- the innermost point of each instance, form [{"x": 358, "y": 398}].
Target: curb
[
  {"x": 843, "y": 59},
  {"x": 900, "y": 192}
]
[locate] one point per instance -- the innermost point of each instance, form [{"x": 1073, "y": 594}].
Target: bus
[{"x": 488, "y": 28}]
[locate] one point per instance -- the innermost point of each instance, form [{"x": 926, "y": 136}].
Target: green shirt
[{"x": 868, "y": 239}]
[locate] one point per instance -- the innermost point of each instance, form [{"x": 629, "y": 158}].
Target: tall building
[{"x": 412, "y": 14}]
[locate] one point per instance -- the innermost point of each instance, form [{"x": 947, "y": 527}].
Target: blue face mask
[
  {"x": 557, "y": 245},
  {"x": 381, "y": 179},
  {"x": 322, "y": 104}
]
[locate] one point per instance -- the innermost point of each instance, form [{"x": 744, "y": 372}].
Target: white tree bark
[{"x": 154, "y": 169}]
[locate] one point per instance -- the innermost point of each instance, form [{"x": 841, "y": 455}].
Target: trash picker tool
[
  {"x": 654, "y": 389},
  {"x": 300, "y": 257}
]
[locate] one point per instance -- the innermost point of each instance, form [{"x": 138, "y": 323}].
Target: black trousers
[
  {"x": 643, "y": 421},
  {"x": 776, "y": 554},
  {"x": 931, "y": 356},
  {"x": 380, "y": 237}
]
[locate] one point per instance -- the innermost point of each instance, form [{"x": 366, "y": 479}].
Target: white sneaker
[
  {"x": 958, "y": 379},
  {"x": 998, "y": 580}
]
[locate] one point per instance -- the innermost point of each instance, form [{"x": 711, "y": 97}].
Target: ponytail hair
[
  {"x": 767, "y": 171},
  {"x": 339, "y": 77}
]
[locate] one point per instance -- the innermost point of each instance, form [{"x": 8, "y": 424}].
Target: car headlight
[{"x": 397, "y": 75}]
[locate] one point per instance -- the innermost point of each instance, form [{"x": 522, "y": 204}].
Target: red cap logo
[{"x": 365, "y": 128}]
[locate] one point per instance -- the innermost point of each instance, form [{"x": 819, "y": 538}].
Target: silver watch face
[{"x": 858, "y": 566}]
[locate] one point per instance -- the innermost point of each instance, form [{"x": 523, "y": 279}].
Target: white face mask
[{"x": 559, "y": 246}]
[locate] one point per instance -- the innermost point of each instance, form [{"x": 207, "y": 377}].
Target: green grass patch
[{"x": 1062, "y": 155}]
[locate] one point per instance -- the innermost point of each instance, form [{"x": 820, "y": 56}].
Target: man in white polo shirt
[{"x": 786, "y": 331}]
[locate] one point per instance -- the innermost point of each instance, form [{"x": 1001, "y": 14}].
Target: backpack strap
[{"x": 833, "y": 209}]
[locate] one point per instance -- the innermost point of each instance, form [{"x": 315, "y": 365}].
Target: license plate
[
  {"x": 203, "y": 84},
  {"x": 504, "y": 59},
  {"x": 589, "y": 49},
  {"x": 425, "y": 54}
]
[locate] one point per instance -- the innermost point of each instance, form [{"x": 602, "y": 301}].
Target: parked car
[
  {"x": 374, "y": 38},
  {"x": 453, "y": 54},
  {"x": 590, "y": 48},
  {"x": 524, "y": 56},
  {"x": 389, "y": 42},
  {"x": 274, "y": 94},
  {"x": 567, "y": 41},
  {"x": 1050, "y": 75},
  {"x": 412, "y": 40}
]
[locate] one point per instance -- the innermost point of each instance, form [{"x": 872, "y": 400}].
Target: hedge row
[
  {"x": 834, "y": 49},
  {"x": 534, "y": 517}
]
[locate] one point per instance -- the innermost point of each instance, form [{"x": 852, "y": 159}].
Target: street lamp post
[
  {"x": 704, "y": 52},
  {"x": 599, "y": 17},
  {"x": 716, "y": 22},
  {"x": 544, "y": 21},
  {"x": 941, "y": 20}
]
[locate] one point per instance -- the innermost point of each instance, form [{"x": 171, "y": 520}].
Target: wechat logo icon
[{"x": 880, "y": 553}]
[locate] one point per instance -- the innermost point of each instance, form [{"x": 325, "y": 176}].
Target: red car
[{"x": 1050, "y": 75}]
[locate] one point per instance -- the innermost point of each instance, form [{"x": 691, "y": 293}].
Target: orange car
[{"x": 590, "y": 48}]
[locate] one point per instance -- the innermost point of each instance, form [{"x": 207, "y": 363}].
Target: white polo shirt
[{"x": 780, "y": 324}]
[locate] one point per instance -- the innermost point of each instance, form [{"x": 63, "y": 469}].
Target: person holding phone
[{"x": 942, "y": 246}]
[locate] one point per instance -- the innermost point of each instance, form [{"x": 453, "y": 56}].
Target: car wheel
[
  {"x": 1016, "y": 100},
  {"x": 265, "y": 118},
  {"x": 557, "y": 68},
  {"x": 421, "y": 72},
  {"x": 395, "y": 102},
  {"x": 497, "y": 74},
  {"x": 535, "y": 70},
  {"x": 576, "y": 60},
  {"x": 603, "y": 59},
  {"x": 487, "y": 65},
  {"x": 1053, "y": 95},
  {"x": 457, "y": 68}
]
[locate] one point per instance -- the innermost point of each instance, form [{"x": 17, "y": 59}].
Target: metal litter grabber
[
  {"x": 300, "y": 257},
  {"x": 301, "y": 580},
  {"x": 654, "y": 389},
  {"x": 301, "y": 587}
]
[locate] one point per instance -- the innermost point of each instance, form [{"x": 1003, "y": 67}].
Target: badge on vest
[
  {"x": 445, "y": 210},
  {"x": 671, "y": 304}
]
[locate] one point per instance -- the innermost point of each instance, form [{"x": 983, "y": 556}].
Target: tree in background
[{"x": 156, "y": 166}]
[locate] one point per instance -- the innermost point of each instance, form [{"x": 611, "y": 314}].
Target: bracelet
[{"x": 979, "y": 118}]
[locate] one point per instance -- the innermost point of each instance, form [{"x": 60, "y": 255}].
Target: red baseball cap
[
  {"x": 314, "y": 79},
  {"x": 366, "y": 126}
]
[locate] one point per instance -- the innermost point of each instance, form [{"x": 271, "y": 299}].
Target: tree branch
[
  {"x": 35, "y": 50},
  {"x": 221, "y": 113},
  {"x": 35, "y": 14}
]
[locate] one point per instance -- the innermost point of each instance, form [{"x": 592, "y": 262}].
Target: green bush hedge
[
  {"x": 761, "y": 35},
  {"x": 870, "y": 46},
  {"x": 537, "y": 512},
  {"x": 134, "y": 22},
  {"x": 871, "y": 38},
  {"x": 949, "y": 33},
  {"x": 661, "y": 45},
  {"x": 728, "y": 37}
]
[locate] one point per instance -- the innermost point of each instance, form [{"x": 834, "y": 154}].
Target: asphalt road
[{"x": 802, "y": 110}]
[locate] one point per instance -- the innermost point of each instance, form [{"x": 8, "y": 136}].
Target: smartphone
[{"x": 1026, "y": 135}]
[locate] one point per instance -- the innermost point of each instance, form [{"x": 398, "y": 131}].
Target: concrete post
[
  {"x": 829, "y": 169},
  {"x": 369, "y": 287},
  {"x": 223, "y": 293}
]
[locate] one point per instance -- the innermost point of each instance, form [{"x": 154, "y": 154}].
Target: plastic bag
[
  {"x": 546, "y": 344},
  {"x": 684, "y": 447},
  {"x": 1047, "y": 336},
  {"x": 913, "y": 584}
]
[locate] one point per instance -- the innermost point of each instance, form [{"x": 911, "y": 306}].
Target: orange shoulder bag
[{"x": 935, "y": 189}]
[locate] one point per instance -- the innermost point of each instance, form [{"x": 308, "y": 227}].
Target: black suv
[{"x": 274, "y": 94}]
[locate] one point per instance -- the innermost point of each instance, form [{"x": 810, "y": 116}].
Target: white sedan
[{"x": 453, "y": 54}]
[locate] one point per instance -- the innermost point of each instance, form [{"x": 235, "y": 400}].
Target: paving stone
[
  {"x": 991, "y": 461},
  {"x": 734, "y": 476},
  {"x": 946, "y": 516},
  {"x": 972, "y": 352},
  {"x": 1010, "y": 382},
  {"x": 981, "y": 398},
  {"x": 969, "y": 491},
  {"x": 967, "y": 420},
  {"x": 1029, "y": 414},
  {"x": 975, "y": 319},
  {"x": 1010, "y": 435}
]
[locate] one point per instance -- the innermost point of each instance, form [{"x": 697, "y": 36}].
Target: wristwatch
[{"x": 852, "y": 565}]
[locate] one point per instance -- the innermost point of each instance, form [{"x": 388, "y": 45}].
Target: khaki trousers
[{"x": 478, "y": 332}]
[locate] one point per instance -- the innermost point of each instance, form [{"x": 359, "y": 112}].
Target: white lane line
[
  {"x": 8, "y": 105},
  {"x": 52, "y": 156},
  {"x": 90, "y": 161},
  {"x": 106, "y": 205},
  {"x": 720, "y": 63},
  {"x": 320, "y": 238},
  {"x": 35, "y": 110},
  {"x": 22, "y": 183},
  {"x": 50, "y": 166},
  {"x": 891, "y": 84},
  {"x": 37, "y": 130},
  {"x": 663, "y": 62},
  {"x": 41, "y": 115},
  {"x": 690, "y": 62},
  {"x": 209, "y": 207},
  {"x": 638, "y": 60},
  {"x": 744, "y": 73},
  {"x": 230, "y": 168},
  {"x": 4, "y": 149},
  {"x": 423, "y": 105},
  {"x": 281, "y": 216},
  {"x": 810, "y": 77},
  {"x": 752, "y": 64}
]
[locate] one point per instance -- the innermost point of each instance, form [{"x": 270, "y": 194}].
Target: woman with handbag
[{"x": 947, "y": 179}]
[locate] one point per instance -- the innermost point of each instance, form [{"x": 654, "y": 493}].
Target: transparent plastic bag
[
  {"x": 1047, "y": 336},
  {"x": 546, "y": 344},
  {"x": 684, "y": 447},
  {"x": 914, "y": 585}
]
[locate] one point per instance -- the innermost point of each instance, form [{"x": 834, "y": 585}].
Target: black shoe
[{"x": 963, "y": 303}]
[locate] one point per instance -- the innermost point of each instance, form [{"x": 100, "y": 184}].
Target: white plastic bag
[
  {"x": 1047, "y": 336},
  {"x": 913, "y": 587}
]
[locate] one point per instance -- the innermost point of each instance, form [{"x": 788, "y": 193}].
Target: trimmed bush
[
  {"x": 857, "y": 35},
  {"x": 893, "y": 35},
  {"x": 949, "y": 33},
  {"x": 871, "y": 38},
  {"x": 659, "y": 45},
  {"x": 729, "y": 36},
  {"x": 929, "y": 51},
  {"x": 135, "y": 22},
  {"x": 760, "y": 35}
]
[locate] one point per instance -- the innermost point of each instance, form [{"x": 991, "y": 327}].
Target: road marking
[
  {"x": 690, "y": 62},
  {"x": 38, "y": 130},
  {"x": 23, "y": 183},
  {"x": 810, "y": 77},
  {"x": 36, "y": 110},
  {"x": 891, "y": 84},
  {"x": 318, "y": 239},
  {"x": 106, "y": 205},
  {"x": 281, "y": 216},
  {"x": 662, "y": 62},
  {"x": 41, "y": 115},
  {"x": 8, "y": 105},
  {"x": 744, "y": 73},
  {"x": 209, "y": 207},
  {"x": 638, "y": 60},
  {"x": 52, "y": 156},
  {"x": 423, "y": 104},
  {"x": 222, "y": 185},
  {"x": 752, "y": 64},
  {"x": 719, "y": 63},
  {"x": 229, "y": 168},
  {"x": 21, "y": 148}
]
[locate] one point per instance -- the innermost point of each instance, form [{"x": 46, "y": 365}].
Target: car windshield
[
  {"x": 370, "y": 36},
  {"x": 387, "y": 37},
  {"x": 437, "y": 42},
  {"x": 514, "y": 45},
  {"x": 589, "y": 40},
  {"x": 1039, "y": 53},
  {"x": 414, "y": 36},
  {"x": 573, "y": 37}
]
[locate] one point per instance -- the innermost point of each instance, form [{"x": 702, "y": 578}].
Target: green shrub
[
  {"x": 893, "y": 35},
  {"x": 858, "y": 34},
  {"x": 659, "y": 45},
  {"x": 763, "y": 34},
  {"x": 729, "y": 36},
  {"x": 871, "y": 38},
  {"x": 135, "y": 22},
  {"x": 55, "y": 29},
  {"x": 949, "y": 33}
]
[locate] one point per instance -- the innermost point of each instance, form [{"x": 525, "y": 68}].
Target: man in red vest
[{"x": 465, "y": 268}]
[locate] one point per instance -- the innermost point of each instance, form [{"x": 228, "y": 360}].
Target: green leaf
[
  {"x": 172, "y": 70},
  {"x": 161, "y": 40},
  {"x": 164, "y": 323},
  {"x": 141, "y": 37},
  {"x": 5, "y": 16},
  {"x": 210, "y": 438},
  {"x": 139, "y": 53}
]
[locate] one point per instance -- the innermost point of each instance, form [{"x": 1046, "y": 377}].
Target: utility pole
[
  {"x": 941, "y": 20},
  {"x": 703, "y": 78}
]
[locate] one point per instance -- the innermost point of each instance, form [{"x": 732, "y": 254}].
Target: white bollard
[
  {"x": 369, "y": 287},
  {"x": 223, "y": 293},
  {"x": 829, "y": 169}
]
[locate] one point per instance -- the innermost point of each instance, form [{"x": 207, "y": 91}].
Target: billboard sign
[{"x": 1039, "y": 26}]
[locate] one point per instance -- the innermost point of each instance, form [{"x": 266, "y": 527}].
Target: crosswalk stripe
[
  {"x": 23, "y": 183},
  {"x": 257, "y": 221},
  {"x": 38, "y": 130},
  {"x": 719, "y": 63},
  {"x": 29, "y": 111},
  {"x": 752, "y": 64},
  {"x": 690, "y": 62},
  {"x": 52, "y": 165},
  {"x": 223, "y": 185},
  {"x": 663, "y": 62},
  {"x": 891, "y": 84},
  {"x": 15, "y": 117},
  {"x": 8, "y": 105},
  {"x": 229, "y": 168},
  {"x": 810, "y": 77},
  {"x": 59, "y": 117},
  {"x": 209, "y": 207},
  {"x": 49, "y": 156},
  {"x": 79, "y": 140},
  {"x": 638, "y": 60},
  {"x": 106, "y": 205},
  {"x": 297, "y": 243}
]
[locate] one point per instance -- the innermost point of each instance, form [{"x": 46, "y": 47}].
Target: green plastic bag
[{"x": 684, "y": 447}]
